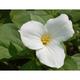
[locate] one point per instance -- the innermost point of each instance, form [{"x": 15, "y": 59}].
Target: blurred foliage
[{"x": 13, "y": 54}]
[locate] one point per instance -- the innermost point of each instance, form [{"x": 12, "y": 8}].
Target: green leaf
[
  {"x": 19, "y": 17},
  {"x": 4, "y": 53},
  {"x": 31, "y": 65},
  {"x": 37, "y": 18},
  {"x": 9, "y": 33},
  {"x": 76, "y": 58},
  {"x": 41, "y": 16},
  {"x": 28, "y": 53},
  {"x": 1, "y": 24},
  {"x": 4, "y": 16},
  {"x": 69, "y": 64},
  {"x": 12, "y": 50}
]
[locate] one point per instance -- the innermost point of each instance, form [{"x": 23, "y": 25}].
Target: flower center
[{"x": 45, "y": 39}]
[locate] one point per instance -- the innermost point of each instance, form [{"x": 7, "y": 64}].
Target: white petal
[
  {"x": 60, "y": 28},
  {"x": 52, "y": 55},
  {"x": 30, "y": 34}
]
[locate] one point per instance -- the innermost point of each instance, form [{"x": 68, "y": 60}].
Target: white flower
[{"x": 46, "y": 39}]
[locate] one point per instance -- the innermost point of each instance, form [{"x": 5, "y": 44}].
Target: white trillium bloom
[{"x": 46, "y": 39}]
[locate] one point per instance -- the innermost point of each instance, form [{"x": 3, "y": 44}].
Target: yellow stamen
[{"x": 45, "y": 39}]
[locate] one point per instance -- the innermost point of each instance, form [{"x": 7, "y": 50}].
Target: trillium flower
[{"x": 46, "y": 39}]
